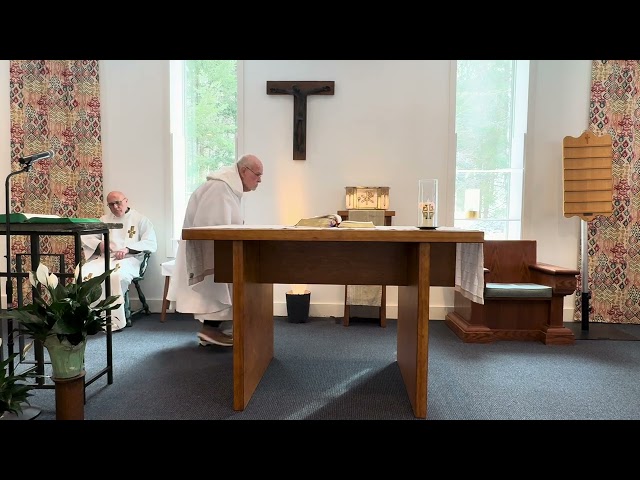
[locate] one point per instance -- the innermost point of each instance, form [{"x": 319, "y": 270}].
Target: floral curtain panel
[
  {"x": 55, "y": 104},
  {"x": 613, "y": 242}
]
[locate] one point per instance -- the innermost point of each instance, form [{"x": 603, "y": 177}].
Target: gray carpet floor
[{"x": 324, "y": 371}]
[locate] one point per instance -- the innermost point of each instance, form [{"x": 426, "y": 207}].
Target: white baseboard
[{"x": 436, "y": 312}]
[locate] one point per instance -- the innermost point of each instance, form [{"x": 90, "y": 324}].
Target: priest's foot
[{"x": 210, "y": 335}]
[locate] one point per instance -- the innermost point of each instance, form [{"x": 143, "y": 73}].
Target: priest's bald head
[
  {"x": 250, "y": 169},
  {"x": 118, "y": 203}
]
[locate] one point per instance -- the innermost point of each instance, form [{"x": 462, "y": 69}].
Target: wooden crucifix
[{"x": 300, "y": 91}]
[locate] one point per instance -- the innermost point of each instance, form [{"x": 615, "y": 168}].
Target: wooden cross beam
[{"x": 300, "y": 91}]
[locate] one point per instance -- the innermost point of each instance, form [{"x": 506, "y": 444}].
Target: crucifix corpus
[{"x": 300, "y": 91}]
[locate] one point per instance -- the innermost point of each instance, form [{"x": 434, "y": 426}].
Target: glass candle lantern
[{"x": 428, "y": 203}]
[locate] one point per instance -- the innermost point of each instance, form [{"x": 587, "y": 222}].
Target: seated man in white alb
[{"x": 125, "y": 247}]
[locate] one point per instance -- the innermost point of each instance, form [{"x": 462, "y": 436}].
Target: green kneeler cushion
[{"x": 517, "y": 290}]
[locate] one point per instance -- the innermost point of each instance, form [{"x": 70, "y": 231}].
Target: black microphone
[{"x": 35, "y": 157}]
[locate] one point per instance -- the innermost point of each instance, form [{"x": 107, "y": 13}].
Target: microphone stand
[
  {"x": 28, "y": 412},
  {"x": 9, "y": 283}
]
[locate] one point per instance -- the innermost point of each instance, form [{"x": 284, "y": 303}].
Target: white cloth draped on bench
[{"x": 470, "y": 271}]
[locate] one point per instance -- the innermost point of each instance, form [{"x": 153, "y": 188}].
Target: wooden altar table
[{"x": 253, "y": 258}]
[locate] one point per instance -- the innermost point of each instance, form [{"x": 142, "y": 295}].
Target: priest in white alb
[
  {"x": 218, "y": 201},
  {"x": 126, "y": 248}
]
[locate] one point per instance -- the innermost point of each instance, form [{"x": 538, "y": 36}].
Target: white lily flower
[
  {"x": 52, "y": 281},
  {"x": 58, "y": 307},
  {"x": 42, "y": 273}
]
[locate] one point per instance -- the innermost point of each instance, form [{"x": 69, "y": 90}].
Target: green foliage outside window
[
  {"x": 210, "y": 117},
  {"x": 485, "y": 109}
]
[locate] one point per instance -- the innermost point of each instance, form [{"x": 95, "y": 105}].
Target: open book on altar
[
  {"x": 43, "y": 218},
  {"x": 333, "y": 220}
]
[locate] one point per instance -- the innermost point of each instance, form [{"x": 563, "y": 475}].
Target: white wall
[
  {"x": 559, "y": 108},
  {"x": 136, "y": 149},
  {"x": 388, "y": 124}
]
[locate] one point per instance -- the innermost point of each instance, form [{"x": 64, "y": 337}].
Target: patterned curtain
[
  {"x": 613, "y": 242},
  {"x": 55, "y": 104}
]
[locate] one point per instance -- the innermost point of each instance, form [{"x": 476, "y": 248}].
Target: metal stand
[
  {"x": 35, "y": 231},
  {"x": 600, "y": 331},
  {"x": 30, "y": 412},
  {"x": 586, "y": 295},
  {"x": 9, "y": 284}
]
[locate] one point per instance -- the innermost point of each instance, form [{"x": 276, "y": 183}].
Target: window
[
  {"x": 490, "y": 126},
  {"x": 204, "y": 119}
]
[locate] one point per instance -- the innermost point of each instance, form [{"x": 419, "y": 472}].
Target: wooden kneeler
[{"x": 523, "y": 298}]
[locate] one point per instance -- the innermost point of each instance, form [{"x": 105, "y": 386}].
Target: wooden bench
[{"x": 523, "y": 299}]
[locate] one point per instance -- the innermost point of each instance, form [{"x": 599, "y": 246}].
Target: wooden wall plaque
[{"x": 587, "y": 178}]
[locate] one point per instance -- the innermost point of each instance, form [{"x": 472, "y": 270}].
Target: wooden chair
[
  {"x": 136, "y": 282},
  {"x": 166, "y": 268},
  {"x": 523, "y": 299}
]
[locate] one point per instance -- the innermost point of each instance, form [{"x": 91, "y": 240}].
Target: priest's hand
[{"x": 120, "y": 254}]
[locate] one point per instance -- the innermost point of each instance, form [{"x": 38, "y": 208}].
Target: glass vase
[
  {"x": 428, "y": 203},
  {"x": 67, "y": 361}
]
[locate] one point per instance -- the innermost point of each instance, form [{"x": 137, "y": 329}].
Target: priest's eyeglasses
[
  {"x": 117, "y": 202},
  {"x": 256, "y": 174}
]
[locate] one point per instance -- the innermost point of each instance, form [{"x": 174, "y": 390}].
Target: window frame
[
  {"x": 519, "y": 120},
  {"x": 177, "y": 179}
]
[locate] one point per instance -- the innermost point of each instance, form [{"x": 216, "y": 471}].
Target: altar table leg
[
  {"x": 413, "y": 327},
  {"x": 252, "y": 323}
]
